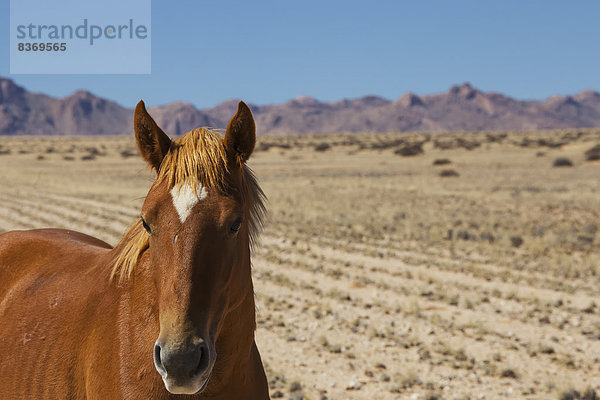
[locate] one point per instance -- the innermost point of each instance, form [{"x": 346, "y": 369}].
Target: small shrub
[
  {"x": 466, "y": 144},
  {"x": 448, "y": 173},
  {"x": 444, "y": 144},
  {"x": 562, "y": 162},
  {"x": 409, "y": 149},
  {"x": 322, "y": 147},
  {"x": 295, "y": 386},
  {"x": 509, "y": 373},
  {"x": 516, "y": 241},
  {"x": 487, "y": 237},
  {"x": 323, "y": 341},
  {"x": 590, "y": 394},
  {"x": 593, "y": 154},
  {"x": 93, "y": 150},
  {"x": 572, "y": 394},
  {"x": 590, "y": 309},
  {"x": 460, "y": 355},
  {"x": 465, "y": 235},
  {"x": 406, "y": 380},
  {"x": 128, "y": 153},
  {"x": 441, "y": 161}
]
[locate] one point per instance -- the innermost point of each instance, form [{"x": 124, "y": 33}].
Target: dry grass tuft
[{"x": 562, "y": 162}]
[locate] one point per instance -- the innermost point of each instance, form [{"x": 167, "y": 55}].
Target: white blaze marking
[{"x": 184, "y": 199}]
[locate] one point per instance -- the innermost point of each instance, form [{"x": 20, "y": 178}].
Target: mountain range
[{"x": 460, "y": 108}]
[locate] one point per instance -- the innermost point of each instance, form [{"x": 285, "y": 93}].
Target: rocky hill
[{"x": 460, "y": 108}]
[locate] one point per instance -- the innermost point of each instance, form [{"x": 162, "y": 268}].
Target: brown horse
[{"x": 169, "y": 310}]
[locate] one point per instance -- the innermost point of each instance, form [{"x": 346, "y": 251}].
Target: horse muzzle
[{"x": 184, "y": 369}]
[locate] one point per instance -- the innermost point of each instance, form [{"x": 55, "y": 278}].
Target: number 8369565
[{"x": 27, "y": 46}]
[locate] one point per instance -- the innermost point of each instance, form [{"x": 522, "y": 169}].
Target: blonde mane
[{"x": 198, "y": 157}]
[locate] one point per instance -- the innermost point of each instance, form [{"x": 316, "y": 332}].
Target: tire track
[{"x": 35, "y": 215}]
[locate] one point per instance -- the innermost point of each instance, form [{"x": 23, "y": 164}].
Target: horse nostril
[
  {"x": 198, "y": 369},
  {"x": 157, "y": 360},
  {"x": 203, "y": 360}
]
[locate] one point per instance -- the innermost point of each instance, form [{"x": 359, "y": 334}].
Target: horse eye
[
  {"x": 146, "y": 226},
  {"x": 235, "y": 227}
]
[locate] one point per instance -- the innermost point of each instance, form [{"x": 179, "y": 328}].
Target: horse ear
[
  {"x": 240, "y": 136},
  {"x": 151, "y": 140}
]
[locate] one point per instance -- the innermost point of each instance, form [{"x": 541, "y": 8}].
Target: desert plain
[{"x": 392, "y": 266}]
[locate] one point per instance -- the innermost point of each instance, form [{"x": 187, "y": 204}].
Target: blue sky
[{"x": 205, "y": 52}]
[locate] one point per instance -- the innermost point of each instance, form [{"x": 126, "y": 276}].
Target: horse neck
[{"x": 235, "y": 342}]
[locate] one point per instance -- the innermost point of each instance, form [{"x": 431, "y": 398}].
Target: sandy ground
[{"x": 377, "y": 278}]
